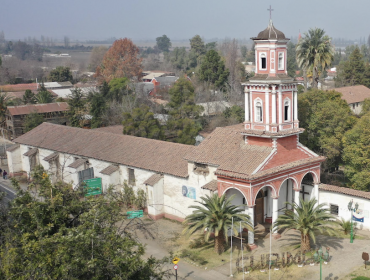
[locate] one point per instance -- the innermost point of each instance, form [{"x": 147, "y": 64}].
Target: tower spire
[{"x": 270, "y": 12}]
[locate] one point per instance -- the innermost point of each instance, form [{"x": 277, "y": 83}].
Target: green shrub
[{"x": 361, "y": 278}]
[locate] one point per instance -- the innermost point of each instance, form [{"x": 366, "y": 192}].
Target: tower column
[
  {"x": 274, "y": 211},
  {"x": 280, "y": 95},
  {"x": 250, "y": 233},
  {"x": 295, "y": 93},
  {"x": 273, "y": 105},
  {"x": 246, "y": 90},
  {"x": 267, "y": 108}
]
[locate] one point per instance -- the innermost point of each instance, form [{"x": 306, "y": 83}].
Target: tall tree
[
  {"x": 60, "y": 74},
  {"x": 356, "y": 154},
  {"x": 353, "y": 71},
  {"x": 28, "y": 97},
  {"x": 244, "y": 51},
  {"x": 96, "y": 57},
  {"x": 315, "y": 52},
  {"x": 61, "y": 236},
  {"x": 325, "y": 118},
  {"x": 182, "y": 99},
  {"x": 213, "y": 71},
  {"x": 118, "y": 87},
  {"x": 4, "y": 99},
  {"x": 121, "y": 60},
  {"x": 291, "y": 60},
  {"x": 197, "y": 45},
  {"x": 77, "y": 108},
  {"x": 308, "y": 218},
  {"x": 214, "y": 216},
  {"x": 163, "y": 43},
  {"x": 141, "y": 122}
]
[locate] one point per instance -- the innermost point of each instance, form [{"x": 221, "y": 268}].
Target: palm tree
[
  {"x": 314, "y": 52},
  {"x": 28, "y": 97},
  {"x": 44, "y": 97},
  {"x": 309, "y": 219},
  {"x": 214, "y": 216}
]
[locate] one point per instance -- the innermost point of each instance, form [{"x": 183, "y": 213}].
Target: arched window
[
  {"x": 281, "y": 61},
  {"x": 263, "y": 61},
  {"x": 287, "y": 110},
  {"x": 258, "y": 117}
]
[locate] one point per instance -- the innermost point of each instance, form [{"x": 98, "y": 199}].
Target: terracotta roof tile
[
  {"x": 225, "y": 147},
  {"x": 270, "y": 171},
  {"x": 117, "y": 129},
  {"x": 77, "y": 163},
  {"x": 152, "y": 180},
  {"x": 51, "y": 157},
  {"x": 354, "y": 94},
  {"x": 110, "y": 169},
  {"x": 12, "y": 148},
  {"x": 149, "y": 154},
  {"x": 343, "y": 190},
  {"x": 31, "y": 152},
  {"x": 39, "y": 108},
  {"x": 212, "y": 186}
]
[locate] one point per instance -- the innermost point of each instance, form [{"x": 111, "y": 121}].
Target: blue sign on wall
[{"x": 189, "y": 192}]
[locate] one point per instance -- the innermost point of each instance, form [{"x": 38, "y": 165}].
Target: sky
[{"x": 146, "y": 20}]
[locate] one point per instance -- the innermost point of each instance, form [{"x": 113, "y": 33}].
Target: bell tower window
[
  {"x": 263, "y": 61},
  {"x": 281, "y": 61},
  {"x": 258, "y": 117},
  {"x": 287, "y": 110}
]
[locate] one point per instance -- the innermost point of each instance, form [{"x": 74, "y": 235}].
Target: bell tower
[{"x": 271, "y": 95}]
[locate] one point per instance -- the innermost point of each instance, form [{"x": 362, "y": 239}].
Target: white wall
[
  {"x": 342, "y": 201},
  {"x": 14, "y": 161}
]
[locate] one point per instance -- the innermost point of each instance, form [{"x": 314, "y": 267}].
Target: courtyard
[{"x": 199, "y": 261}]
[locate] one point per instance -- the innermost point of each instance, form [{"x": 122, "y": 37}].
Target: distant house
[
  {"x": 355, "y": 96},
  {"x": 16, "y": 115}
]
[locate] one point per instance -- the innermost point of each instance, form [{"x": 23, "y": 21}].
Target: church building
[{"x": 260, "y": 161}]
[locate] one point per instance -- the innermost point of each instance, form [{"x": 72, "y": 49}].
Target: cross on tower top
[{"x": 270, "y": 11}]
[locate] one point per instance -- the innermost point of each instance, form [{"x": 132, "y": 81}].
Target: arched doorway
[
  {"x": 238, "y": 199},
  {"x": 259, "y": 209},
  {"x": 307, "y": 187},
  {"x": 286, "y": 194}
]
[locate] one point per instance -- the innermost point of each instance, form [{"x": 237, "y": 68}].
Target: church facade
[{"x": 260, "y": 162}]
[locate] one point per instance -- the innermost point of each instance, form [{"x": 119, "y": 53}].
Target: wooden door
[{"x": 259, "y": 209}]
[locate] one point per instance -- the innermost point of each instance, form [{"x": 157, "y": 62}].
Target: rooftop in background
[
  {"x": 34, "y": 86},
  {"x": 39, "y": 108},
  {"x": 354, "y": 94}
]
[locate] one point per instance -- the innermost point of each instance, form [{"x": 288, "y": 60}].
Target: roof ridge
[{"x": 115, "y": 134}]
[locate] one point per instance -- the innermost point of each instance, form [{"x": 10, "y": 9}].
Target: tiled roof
[
  {"x": 117, "y": 129},
  {"x": 212, "y": 186},
  {"x": 110, "y": 169},
  {"x": 354, "y": 94},
  {"x": 343, "y": 190},
  {"x": 39, "y": 108},
  {"x": 12, "y": 148},
  {"x": 270, "y": 171},
  {"x": 149, "y": 154},
  {"x": 152, "y": 180},
  {"x": 77, "y": 163},
  {"x": 52, "y": 156},
  {"x": 31, "y": 152},
  {"x": 225, "y": 148}
]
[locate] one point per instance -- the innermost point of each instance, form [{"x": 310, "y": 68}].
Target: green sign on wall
[
  {"x": 93, "y": 186},
  {"x": 135, "y": 214}
]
